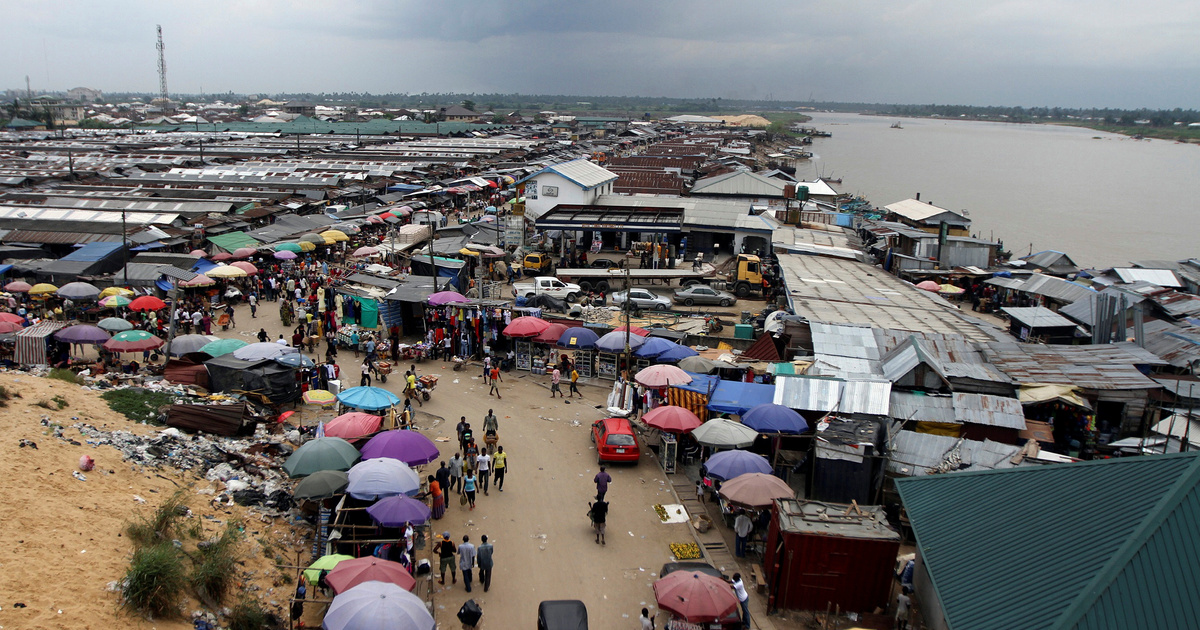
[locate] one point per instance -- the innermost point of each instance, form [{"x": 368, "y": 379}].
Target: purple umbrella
[
  {"x": 446, "y": 297},
  {"x": 82, "y": 333},
  {"x": 397, "y": 510},
  {"x": 578, "y": 338},
  {"x": 772, "y": 418},
  {"x": 284, "y": 255},
  {"x": 410, "y": 447},
  {"x": 729, "y": 464}
]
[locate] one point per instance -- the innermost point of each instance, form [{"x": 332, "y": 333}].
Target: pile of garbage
[{"x": 249, "y": 469}]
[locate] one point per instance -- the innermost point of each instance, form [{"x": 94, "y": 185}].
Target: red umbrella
[
  {"x": 350, "y": 573},
  {"x": 387, "y": 215},
  {"x": 662, "y": 376},
  {"x": 551, "y": 334},
  {"x": 243, "y": 252},
  {"x": 17, "y": 286},
  {"x": 249, "y": 268},
  {"x": 526, "y": 327},
  {"x": 641, "y": 332},
  {"x": 8, "y": 327},
  {"x": 350, "y": 426},
  {"x": 223, "y": 256},
  {"x": 12, "y": 318},
  {"x": 695, "y": 596},
  {"x": 147, "y": 303},
  {"x": 672, "y": 419}
]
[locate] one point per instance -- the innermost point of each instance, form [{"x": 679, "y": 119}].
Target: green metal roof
[
  {"x": 233, "y": 240},
  {"x": 1089, "y": 546}
]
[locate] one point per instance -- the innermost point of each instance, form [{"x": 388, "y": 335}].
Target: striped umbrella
[
  {"x": 133, "y": 341},
  {"x": 115, "y": 301}
]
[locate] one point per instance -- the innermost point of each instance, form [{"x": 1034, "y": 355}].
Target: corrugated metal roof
[
  {"x": 992, "y": 411},
  {"x": 1105, "y": 366},
  {"x": 809, "y": 393},
  {"x": 1114, "y": 542},
  {"x": 58, "y": 238},
  {"x": 582, "y": 172},
  {"x": 911, "y": 406},
  {"x": 1161, "y": 277},
  {"x": 866, "y": 397},
  {"x": 902, "y": 359},
  {"x": 93, "y": 252},
  {"x": 834, "y": 519},
  {"x": 914, "y": 210},
  {"x": 915, "y": 454},
  {"x": 855, "y": 341},
  {"x": 739, "y": 183},
  {"x": 1037, "y": 317}
]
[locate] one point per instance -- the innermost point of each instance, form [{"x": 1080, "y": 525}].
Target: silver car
[
  {"x": 642, "y": 298},
  {"x": 703, "y": 294}
]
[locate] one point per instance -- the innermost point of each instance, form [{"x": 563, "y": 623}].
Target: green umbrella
[
  {"x": 290, "y": 247},
  {"x": 114, "y": 324},
  {"x": 321, "y": 485},
  {"x": 326, "y": 563},
  {"x": 321, "y": 454},
  {"x": 222, "y": 346}
]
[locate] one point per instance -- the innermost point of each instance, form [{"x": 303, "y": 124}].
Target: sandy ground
[{"x": 63, "y": 536}]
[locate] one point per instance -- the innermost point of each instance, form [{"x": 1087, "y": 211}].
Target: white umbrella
[{"x": 724, "y": 433}]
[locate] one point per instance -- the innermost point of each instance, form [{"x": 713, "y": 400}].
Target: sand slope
[{"x": 62, "y": 536}]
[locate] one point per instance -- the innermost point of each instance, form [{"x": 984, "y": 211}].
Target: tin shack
[{"x": 826, "y": 555}]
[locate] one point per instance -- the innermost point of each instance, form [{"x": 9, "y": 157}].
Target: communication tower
[{"x": 162, "y": 67}]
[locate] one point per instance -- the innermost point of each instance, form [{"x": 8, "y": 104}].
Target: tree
[{"x": 468, "y": 104}]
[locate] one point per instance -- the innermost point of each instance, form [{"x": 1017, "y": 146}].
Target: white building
[{"x": 577, "y": 182}]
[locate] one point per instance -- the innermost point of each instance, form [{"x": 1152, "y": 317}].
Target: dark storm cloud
[{"x": 1053, "y": 52}]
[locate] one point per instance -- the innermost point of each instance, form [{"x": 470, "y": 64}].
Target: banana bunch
[
  {"x": 661, "y": 511},
  {"x": 685, "y": 551}
]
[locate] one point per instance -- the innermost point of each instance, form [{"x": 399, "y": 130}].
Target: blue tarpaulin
[
  {"x": 404, "y": 188},
  {"x": 203, "y": 265},
  {"x": 701, "y": 383},
  {"x": 4, "y": 269},
  {"x": 93, "y": 252},
  {"x": 736, "y": 397}
]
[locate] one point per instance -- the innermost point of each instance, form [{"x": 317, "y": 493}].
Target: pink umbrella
[
  {"x": 249, "y": 268},
  {"x": 350, "y": 426},
  {"x": 11, "y": 318},
  {"x": 17, "y": 286},
  {"x": 365, "y": 251},
  {"x": 695, "y": 596},
  {"x": 662, "y": 376},
  {"x": 756, "y": 490},
  {"x": 243, "y": 252},
  {"x": 199, "y": 252},
  {"x": 526, "y": 327},
  {"x": 350, "y": 573},
  {"x": 200, "y": 280},
  {"x": 284, "y": 255},
  {"x": 446, "y": 297},
  {"x": 672, "y": 419},
  {"x": 636, "y": 330},
  {"x": 551, "y": 334},
  {"x": 929, "y": 285},
  {"x": 374, "y": 219},
  {"x": 221, "y": 257}
]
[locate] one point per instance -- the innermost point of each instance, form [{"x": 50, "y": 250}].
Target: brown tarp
[
  {"x": 218, "y": 419},
  {"x": 186, "y": 372}
]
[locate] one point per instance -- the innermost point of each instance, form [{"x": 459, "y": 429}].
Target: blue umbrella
[
  {"x": 395, "y": 511},
  {"x": 729, "y": 464},
  {"x": 655, "y": 346},
  {"x": 615, "y": 341},
  {"x": 677, "y": 353},
  {"x": 368, "y": 398},
  {"x": 772, "y": 418},
  {"x": 295, "y": 360},
  {"x": 579, "y": 339}
]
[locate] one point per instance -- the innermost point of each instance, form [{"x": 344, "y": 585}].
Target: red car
[{"x": 615, "y": 441}]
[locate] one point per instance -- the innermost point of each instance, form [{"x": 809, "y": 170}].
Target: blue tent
[{"x": 736, "y": 397}]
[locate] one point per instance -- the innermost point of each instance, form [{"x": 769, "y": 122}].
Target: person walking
[
  {"x": 437, "y": 498},
  {"x": 575, "y": 382},
  {"x": 646, "y": 620},
  {"x": 446, "y": 551},
  {"x": 469, "y": 489},
  {"x": 598, "y": 512},
  {"x": 483, "y": 464},
  {"x": 602, "y": 480},
  {"x": 443, "y": 477},
  {"x": 495, "y": 379},
  {"x": 742, "y": 526},
  {"x": 456, "y": 473},
  {"x": 555, "y": 379},
  {"x": 252, "y": 299},
  {"x": 743, "y": 598},
  {"x": 466, "y": 560},
  {"x": 365, "y": 381},
  {"x": 499, "y": 467},
  {"x": 903, "y": 608},
  {"x": 483, "y": 557},
  {"x": 487, "y": 368}
]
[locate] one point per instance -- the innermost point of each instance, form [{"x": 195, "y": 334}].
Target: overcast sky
[{"x": 979, "y": 52}]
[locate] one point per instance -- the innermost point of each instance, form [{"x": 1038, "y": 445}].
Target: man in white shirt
[
  {"x": 281, "y": 341},
  {"x": 483, "y": 463},
  {"x": 742, "y": 526},
  {"x": 743, "y": 597},
  {"x": 196, "y": 317}
]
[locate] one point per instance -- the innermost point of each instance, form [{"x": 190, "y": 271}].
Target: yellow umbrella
[
  {"x": 950, "y": 289},
  {"x": 306, "y": 246},
  {"x": 319, "y": 397},
  {"x": 226, "y": 271},
  {"x": 335, "y": 235},
  {"x": 42, "y": 289},
  {"x": 121, "y": 291}
]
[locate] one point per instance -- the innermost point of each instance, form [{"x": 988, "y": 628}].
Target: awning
[
  {"x": 612, "y": 219},
  {"x": 1035, "y": 393},
  {"x": 234, "y": 240}
]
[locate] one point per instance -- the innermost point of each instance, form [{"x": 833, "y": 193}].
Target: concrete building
[{"x": 577, "y": 182}]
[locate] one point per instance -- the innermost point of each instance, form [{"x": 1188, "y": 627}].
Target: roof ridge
[
  {"x": 1183, "y": 486},
  {"x": 1040, "y": 468}
]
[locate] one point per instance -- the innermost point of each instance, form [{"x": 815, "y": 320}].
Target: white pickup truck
[{"x": 547, "y": 285}]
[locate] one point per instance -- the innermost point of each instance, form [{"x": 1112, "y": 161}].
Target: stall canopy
[
  {"x": 32, "y": 343},
  {"x": 277, "y": 382},
  {"x": 233, "y": 241},
  {"x": 736, "y": 397}
]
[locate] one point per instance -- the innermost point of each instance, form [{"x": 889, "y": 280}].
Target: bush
[
  {"x": 249, "y": 615},
  {"x": 139, "y": 405},
  {"x": 155, "y": 582},
  {"x": 162, "y": 524},
  {"x": 63, "y": 374},
  {"x": 215, "y": 563}
]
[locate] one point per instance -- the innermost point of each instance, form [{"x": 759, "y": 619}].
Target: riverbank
[{"x": 1185, "y": 135}]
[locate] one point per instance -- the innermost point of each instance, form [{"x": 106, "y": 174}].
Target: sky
[{"x": 1069, "y": 53}]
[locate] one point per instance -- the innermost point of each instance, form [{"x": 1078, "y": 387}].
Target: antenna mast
[{"x": 162, "y": 67}]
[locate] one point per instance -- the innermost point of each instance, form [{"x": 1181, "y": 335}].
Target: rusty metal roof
[{"x": 1105, "y": 367}]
